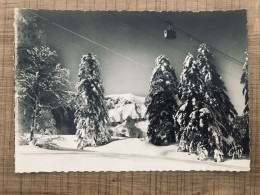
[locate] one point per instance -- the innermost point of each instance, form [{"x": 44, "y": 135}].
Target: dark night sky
[{"x": 139, "y": 36}]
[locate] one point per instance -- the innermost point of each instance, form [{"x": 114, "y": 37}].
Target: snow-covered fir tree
[
  {"x": 42, "y": 85},
  {"x": 190, "y": 95},
  {"x": 91, "y": 114},
  {"x": 161, "y": 103},
  {"x": 206, "y": 113},
  {"x": 244, "y": 81},
  {"x": 243, "y": 121},
  {"x": 218, "y": 111}
]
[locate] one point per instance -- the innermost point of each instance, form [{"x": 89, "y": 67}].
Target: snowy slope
[{"x": 119, "y": 155}]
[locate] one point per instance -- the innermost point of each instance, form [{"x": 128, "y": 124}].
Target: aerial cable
[
  {"x": 83, "y": 37},
  {"x": 200, "y": 41}
]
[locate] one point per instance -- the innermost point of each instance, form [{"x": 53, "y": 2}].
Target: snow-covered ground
[{"x": 122, "y": 154}]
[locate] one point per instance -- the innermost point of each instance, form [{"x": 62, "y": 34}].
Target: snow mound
[{"x": 132, "y": 146}]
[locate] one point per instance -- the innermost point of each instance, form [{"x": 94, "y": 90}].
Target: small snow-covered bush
[
  {"x": 47, "y": 142},
  {"x": 23, "y": 140}
]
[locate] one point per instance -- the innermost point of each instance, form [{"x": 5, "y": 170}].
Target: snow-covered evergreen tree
[
  {"x": 244, "y": 81},
  {"x": 161, "y": 103},
  {"x": 41, "y": 86},
  {"x": 206, "y": 113},
  {"x": 243, "y": 123},
  {"x": 91, "y": 114},
  {"x": 190, "y": 95},
  {"x": 220, "y": 110},
  {"x": 215, "y": 90}
]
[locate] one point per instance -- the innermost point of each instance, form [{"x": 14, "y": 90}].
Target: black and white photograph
[{"x": 131, "y": 91}]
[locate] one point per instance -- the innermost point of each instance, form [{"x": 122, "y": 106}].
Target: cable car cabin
[{"x": 170, "y": 34}]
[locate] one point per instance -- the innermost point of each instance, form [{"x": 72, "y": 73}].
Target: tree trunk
[
  {"x": 32, "y": 133},
  {"x": 33, "y": 125}
]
